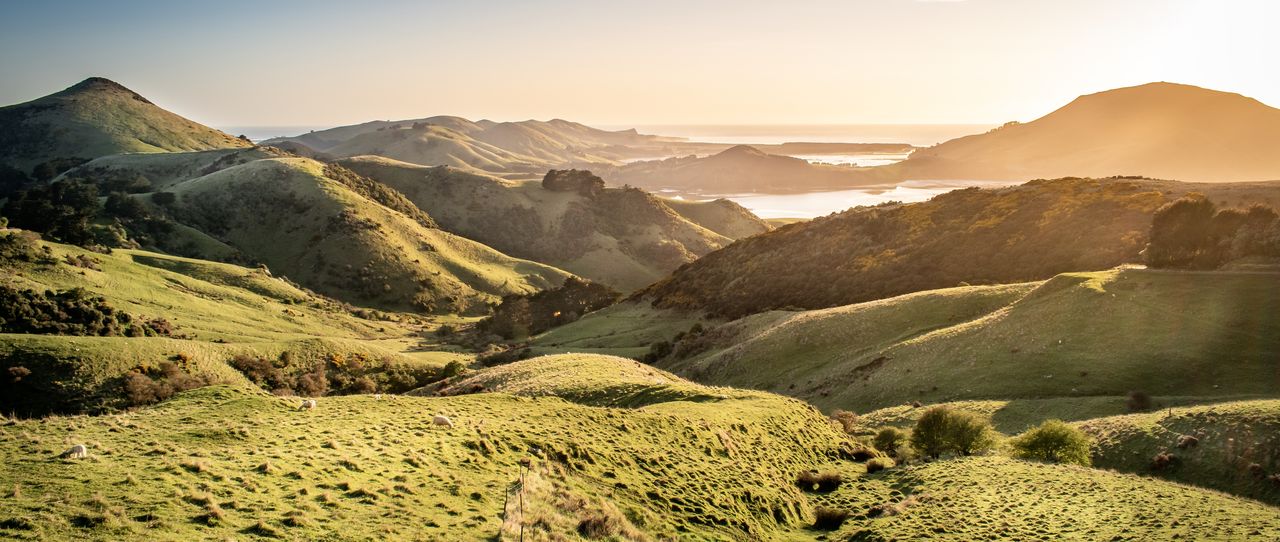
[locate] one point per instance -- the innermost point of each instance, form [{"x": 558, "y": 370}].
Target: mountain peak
[
  {"x": 741, "y": 150},
  {"x": 101, "y": 84}
]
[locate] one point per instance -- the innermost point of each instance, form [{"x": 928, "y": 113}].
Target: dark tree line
[{"x": 1193, "y": 233}]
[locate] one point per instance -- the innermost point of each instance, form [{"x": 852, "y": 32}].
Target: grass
[
  {"x": 674, "y": 468},
  {"x": 1079, "y": 335},
  {"x": 218, "y": 310},
  {"x": 1230, "y": 438},
  {"x": 626, "y": 329},
  {"x": 997, "y": 498}
]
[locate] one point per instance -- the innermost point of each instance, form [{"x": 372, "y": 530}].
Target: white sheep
[
  {"x": 78, "y": 451},
  {"x": 442, "y": 420},
  {"x": 308, "y": 404}
]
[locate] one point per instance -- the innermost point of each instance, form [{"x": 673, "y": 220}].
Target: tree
[
  {"x": 1181, "y": 233},
  {"x": 889, "y": 439},
  {"x": 1055, "y": 441},
  {"x": 62, "y": 210},
  {"x": 942, "y": 429}
]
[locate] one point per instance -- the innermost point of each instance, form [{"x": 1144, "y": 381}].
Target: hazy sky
[{"x": 650, "y": 62}]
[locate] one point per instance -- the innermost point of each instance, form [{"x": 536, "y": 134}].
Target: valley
[{"x": 454, "y": 328}]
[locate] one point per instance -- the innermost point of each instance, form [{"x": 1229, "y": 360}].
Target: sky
[{"x": 322, "y": 63}]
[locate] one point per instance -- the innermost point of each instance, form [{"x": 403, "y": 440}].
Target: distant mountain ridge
[
  {"x": 97, "y": 117},
  {"x": 524, "y": 146},
  {"x": 1159, "y": 130}
]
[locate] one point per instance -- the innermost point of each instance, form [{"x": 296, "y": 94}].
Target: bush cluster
[
  {"x": 1055, "y": 441},
  {"x": 890, "y": 439},
  {"x": 147, "y": 386},
  {"x": 945, "y": 430},
  {"x": 521, "y": 316},
  {"x": 336, "y": 375},
  {"x": 70, "y": 312}
]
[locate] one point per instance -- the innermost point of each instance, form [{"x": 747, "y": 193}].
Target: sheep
[
  {"x": 78, "y": 451},
  {"x": 308, "y": 404},
  {"x": 442, "y": 420},
  {"x": 1187, "y": 441}
]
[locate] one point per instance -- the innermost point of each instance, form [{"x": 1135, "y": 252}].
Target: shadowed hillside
[
  {"x": 1160, "y": 130},
  {"x": 625, "y": 238},
  {"x": 975, "y": 236},
  {"x": 93, "y": 118}
]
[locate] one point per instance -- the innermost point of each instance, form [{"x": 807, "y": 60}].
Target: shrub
[
  {"x": 829, "y": 519},
  {"x": 942, "y": 429},
  {"x": 1138, "y": 401},
  {"x": 848, "y": 421},
  {"x": 889, "y": 439},
  {"x": 878, "y": 464},
  {"x": 829, "y": 481},
  {"x": 1163, "y": 461},
  {"x": 1055, "y": 441},
  {"x": 807, "y": 480},
  {"x": 1187, "y": 441},
  {"x": 148, "y": 386}
]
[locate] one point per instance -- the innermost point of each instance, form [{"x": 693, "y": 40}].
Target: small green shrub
[
  {"x": 889, "y": 439},
  {"x": 1056, "y": 441}
]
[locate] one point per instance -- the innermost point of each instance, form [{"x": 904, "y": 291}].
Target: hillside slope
[
  {"x": 1078, "y": 335},
  {"x": 97, "y": 117},
  {"x": 1161, "y": 130},
  {"x": 1237, "y": 446},
  {"x": 291, "y": 214},
  {"x": 625, "y": 238},
  {"x": 976, "y": 236},
  {"x": 218, "y": 462}
]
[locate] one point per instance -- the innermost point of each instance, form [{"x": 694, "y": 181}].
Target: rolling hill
[
  {"x": 741, "y": 168},
  {"x": 97, "y": 117},
  {"x": 216, "y": 311},
  {"x": 1081, "y": 335},
  {"x": 1160, "y": 130},
  {"x": 625, "y": 238},
  {"x": 525, "y": 147},
  {"x": 975, "y": 236},
  {"x": 298, "y": 217}
]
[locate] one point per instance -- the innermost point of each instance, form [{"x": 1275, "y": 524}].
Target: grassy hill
[
  {"x": 1161, "y": 130},
  {"x": 217, "y": 311},
  {"x": 699, "y": 464},
  {"x": 97, "y": 117},
  {"x": 1078, "y": 335},
  {"x": 222, "y": 461},
  {"x": 974, "y": 236},
  {"x": 291, "y": 215},
  {"x": 523, "y": 147},
  {"x": 621, "y": 237}
]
